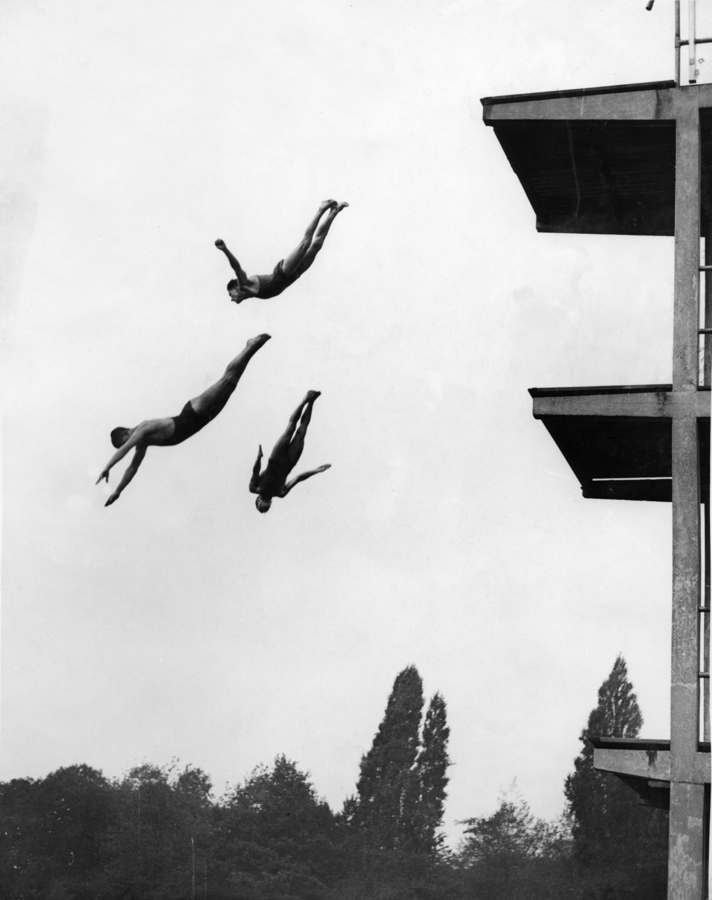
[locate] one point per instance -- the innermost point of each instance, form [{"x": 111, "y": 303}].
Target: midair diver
[
  {"x": 283, "y": 458},
  {"x": 174, "y": 430},
  {"x": 287, "y": 270}
]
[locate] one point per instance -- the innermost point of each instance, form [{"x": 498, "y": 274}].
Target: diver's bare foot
[
  {"x": 324, "y": 468},
  {"x": 339, "y": 206},
  {"x": 259, "y": 340},
  {"x": 220, "y": 244},
  {"x": 326, "y": 204},
  {"x": 311, "y": 396}
]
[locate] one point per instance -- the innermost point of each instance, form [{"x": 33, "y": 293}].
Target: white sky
[{"x": 450, "y": 532}]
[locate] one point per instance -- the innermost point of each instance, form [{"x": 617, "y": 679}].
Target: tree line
[{"x": 158, "y": 833}]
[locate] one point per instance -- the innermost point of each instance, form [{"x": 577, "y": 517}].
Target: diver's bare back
[
  {"x": 273, "y": 480},
  {"x": 158, "y": 432}
]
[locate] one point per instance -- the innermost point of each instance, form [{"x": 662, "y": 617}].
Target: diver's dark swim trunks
[
  {"x": 187, "y": 423},
  {"x": 274, "y": 284}
]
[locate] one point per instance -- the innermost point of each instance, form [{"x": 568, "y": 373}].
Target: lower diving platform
[
  {"x": 644, "y": 765},
  {"x": 618, "y": 439}
]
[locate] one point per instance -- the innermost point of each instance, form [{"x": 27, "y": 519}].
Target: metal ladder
[
  {"x": 691, "y": 42},
  {"x": 704, "y": 609}
]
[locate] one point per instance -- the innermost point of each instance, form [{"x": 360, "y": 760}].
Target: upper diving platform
[{"x": 597, "y": 160}]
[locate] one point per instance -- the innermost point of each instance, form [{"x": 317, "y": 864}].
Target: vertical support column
[
  {"x": 686, "y": 597},
  {"x": 687, "y": 245},
  {"x": 685, "y": 866},
  {"x": 686, "y": 850}
]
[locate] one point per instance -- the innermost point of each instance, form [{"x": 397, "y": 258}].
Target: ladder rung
[
  {"x": 704, "y": 609},
  {"x": 704, "y": 330},
  {"x": 686, "y": 43},
  {"x": 704, "y": 674},
  {"x": 705, "y": 268}
]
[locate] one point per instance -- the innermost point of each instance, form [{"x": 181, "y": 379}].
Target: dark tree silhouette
[
  {"x": 431, "y": 777},
  {"x": 393, "y": 846},
  {"x": 621, "y": 845},
  {"x": 276, "y": 837},
  {"x": 55, "y": 831},
  {"x": 511, "y": 854},
  {"x": 387, "y": 789}
]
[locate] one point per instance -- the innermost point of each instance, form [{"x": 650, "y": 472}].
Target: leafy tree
[
  {"x": 514, "y": 856},
  {"x": 620, "y": 845},
  {"x": 56, "y": 830},
  {"x": 277, "y": 838},
  {"x": 160, "y": 839},
  {"x": 17, "y": 828}
]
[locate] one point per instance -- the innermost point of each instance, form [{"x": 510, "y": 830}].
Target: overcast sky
[{"x": 449, "y": 532}]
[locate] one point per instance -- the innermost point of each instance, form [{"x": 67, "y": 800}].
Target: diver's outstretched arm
[
  {"x": 303, "y": 477},
  {"x": 138, "y": 435},
  {"x": 131, "y": 470},
  {"x": 236, "y": 267},
  {"x": 255, "y": 480}
]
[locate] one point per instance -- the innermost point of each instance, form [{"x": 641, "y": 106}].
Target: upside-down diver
[{"x": 283, "y": 458}]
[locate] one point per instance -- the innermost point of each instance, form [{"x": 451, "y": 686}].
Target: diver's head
[
  {"x": 120, "y": 435},
  {"x": 235, "y": 292}
]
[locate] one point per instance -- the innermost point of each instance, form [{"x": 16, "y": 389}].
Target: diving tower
[{"x": 629, "y": 160}]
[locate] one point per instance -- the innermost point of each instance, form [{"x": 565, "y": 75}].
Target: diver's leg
[
  {"x": 212, "y": 401},
  {"x": 281, "y": 448},
  {"x": 296, "y": 446},
  {"x": 319, "y": 237},
  {"x": 295, "y": 257}
]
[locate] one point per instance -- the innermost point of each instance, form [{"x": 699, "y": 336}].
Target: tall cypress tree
[
  {"x": 431, "y": 774},
  {"x": 386, "y": 785},
  {"x": 614, "y": 838},
  {"x": 401, "y": 790}
]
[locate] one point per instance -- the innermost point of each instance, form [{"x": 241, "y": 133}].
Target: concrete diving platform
[
  {"x": 618, "y": 439},
  {"x": 599, "y": 160},
  {"x": 644, "y": 765}
]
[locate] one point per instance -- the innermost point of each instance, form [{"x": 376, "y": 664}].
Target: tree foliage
[
  {"x": 431, "y": 776},
  {"x": 54, "y": 831},
  {"x": 393, "y": 846},
  {"x": 512, "y": 854},
  {"x": 277, "y": 838},
  {"x": 158, "y": 833},
  {"x": 401, "y": 788},
  {"x": 386, "y": 786},
  {"x": 159, "y": 840},
  {"x": 614, "y": 836}
]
